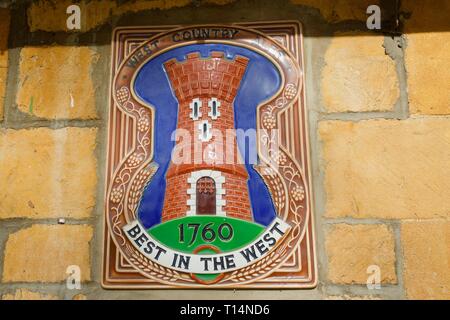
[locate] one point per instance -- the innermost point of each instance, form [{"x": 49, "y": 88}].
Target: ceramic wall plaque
[{"x": 208, "y": 180}]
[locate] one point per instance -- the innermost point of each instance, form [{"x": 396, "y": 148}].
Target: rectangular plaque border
[{"x": 118, "y": 274}]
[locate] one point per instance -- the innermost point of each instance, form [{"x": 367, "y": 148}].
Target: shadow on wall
[{"x": 42, "y": 23}]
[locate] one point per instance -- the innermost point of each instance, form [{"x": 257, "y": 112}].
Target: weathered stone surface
[
  {"x": 351, "y": 249},
  {"x": 3, "y": 78},
  {"x": 25, "y": 294},
  {"x": 42, "y": 253},
  {"x": 427, "y": 66},
  {"x": 426, "y": 56},
  {"x": 358, "y": 75},
  {"x": 55, "y": 82},
  {"x": 426, "y": 249},
  {"x": 95, "y": 13},
  {"x": 47, "y": 173},
  {"x": 339, "y": 10},
  {"x": 4, "y": 32},
  {"x": 387, "y": 168}
]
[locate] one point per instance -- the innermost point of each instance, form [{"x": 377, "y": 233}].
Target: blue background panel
[{"x": 260, "y": 82}]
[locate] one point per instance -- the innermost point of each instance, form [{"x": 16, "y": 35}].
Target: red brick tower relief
[{"x": 213, "y": 179}]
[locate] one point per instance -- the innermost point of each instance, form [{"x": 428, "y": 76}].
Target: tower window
[
  {"x": 205, "y": 131},
  {"x": 214, "y": 109},
  {"x": 195, "y": 109},
  {"x": 195, "y": 106},
  {"x": 214, "y": 105}
]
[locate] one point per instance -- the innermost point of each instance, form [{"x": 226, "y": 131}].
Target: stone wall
[{"x": 379, "y": 121}]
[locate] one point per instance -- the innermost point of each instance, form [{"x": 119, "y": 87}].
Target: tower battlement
[{"x": 210, "y": 76}]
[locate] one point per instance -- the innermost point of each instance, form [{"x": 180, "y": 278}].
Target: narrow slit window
[
  {"x": 195, "y": 106},
  {"x": 195, "y": 109},
  {"x": 214, "y": 105},
  {"x": 214, "y": 109},
  {"x": 205, "y": 130}
]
